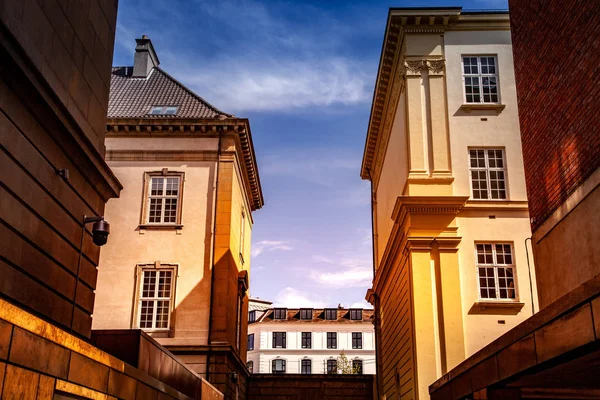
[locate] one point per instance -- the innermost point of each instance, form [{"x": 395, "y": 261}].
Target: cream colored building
[
  {"x": 178, "y": 259},
  {"x": 450, "y": 216},
  {"x": 309, "y": 341}
]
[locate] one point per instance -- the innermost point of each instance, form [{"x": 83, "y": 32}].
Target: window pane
[
  {"x": 164, "y": 284},
  {"x": 162, "y": 313},
  {"x": 157, "y": 186},
  {"x": 146, "y": 312},
  {"x": 149, "y": 285},
  {"x": 170, "y": 211},
  {"x": 155, "y": 211},
  {"x": 172, "y": 186}
]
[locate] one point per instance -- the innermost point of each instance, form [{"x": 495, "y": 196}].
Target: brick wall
[
  {"x": 310, "y": 387},
  {"x": 556, "y": 45}
]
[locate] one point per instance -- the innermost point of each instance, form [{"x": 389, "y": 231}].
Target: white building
[{"x": 309, "y": 341}]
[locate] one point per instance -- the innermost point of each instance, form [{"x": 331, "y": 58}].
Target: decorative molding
[
  {"x": 414, "y": 67},
  {"x": 482, "y": 305},
  {"x": 482, "y": 106},
  {"x": 427, "y": 204},
  {"x": 436, "y": 67}
]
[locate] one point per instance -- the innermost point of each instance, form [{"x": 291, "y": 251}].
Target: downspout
[
  {"x": 212, "y": 273},
  {"x": 375, "y": 295}
]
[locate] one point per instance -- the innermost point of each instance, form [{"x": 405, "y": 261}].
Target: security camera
[{"x": 100, "y": 230}]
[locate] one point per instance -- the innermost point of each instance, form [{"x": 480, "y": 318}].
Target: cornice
[
  {"x": 188, "y": 127},
  {"x": 427, "y": 204},
  {"x": 392, "y": 71}
]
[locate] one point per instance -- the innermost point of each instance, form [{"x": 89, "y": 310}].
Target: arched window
[
  {"x": 250, "y": 366},
  {"x": 278, "y": 366},
  {"x": 306, "y": 366}
]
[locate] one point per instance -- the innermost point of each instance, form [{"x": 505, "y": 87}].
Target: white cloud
[
  {"x": 277, "y": 83},
  {"x": 354, "y": 272},
  {"x": 293, "y": 298},
  {"x": 269, "y": 245},
  {"x": 361, "y": 304}
]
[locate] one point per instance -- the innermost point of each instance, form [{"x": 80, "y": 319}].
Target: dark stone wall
[{"x": 310, "y": 387}]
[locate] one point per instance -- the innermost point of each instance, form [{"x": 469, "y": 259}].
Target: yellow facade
[{"x": 427, "y": 221}]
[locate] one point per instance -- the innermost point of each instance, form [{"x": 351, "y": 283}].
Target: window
[
  {"x": 480, "y": 74},
  {"x": 164, "y": 110},
  {"x": 163, "y": 198},
  {"x": 356, "y": 315},
  {"x": 306, "y": 313},
  {"x": 306, "y": 340},
  {"x": 251, "y": 341},
  {"x": 331, "y": 314},
  {"x": 496, "y": 271},
  {"x": 488, "y": 174},
  {"x": 331, "y": 340},
  {"x": 279, "y": 340},
  {"x": 357, "y": 340},
  {"x": 250, "y": 366},
  {"x": 306, "y": 367},
  {"x": 252, "y": 316},
  {"x": 280, "y": 313},
  {"x": 332, "y": 366},
  {"x": 357, "y": 367},
  {"x": 155, "y": 298},
  {"x": 278, "y": 366}
]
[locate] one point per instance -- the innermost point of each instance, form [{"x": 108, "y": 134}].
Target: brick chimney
[{"x": 145, "y": 57}]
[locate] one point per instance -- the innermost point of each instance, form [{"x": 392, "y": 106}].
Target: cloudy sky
[{"x": 303, "y": 73}]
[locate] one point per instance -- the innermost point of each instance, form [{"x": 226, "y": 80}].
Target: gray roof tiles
[{"x": 134, "y": 97}]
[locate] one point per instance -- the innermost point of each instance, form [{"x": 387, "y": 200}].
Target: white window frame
[
  {"x": 495, "y": 265},
  {"x": 309, "y": 366},
  {"x": 148, "y": 196},
  {"x": 141, "y": 272},
  {"x": 480, "y": 76},
  {"x": 284, "y": 366},
  {"x": 487, "y": 170}
]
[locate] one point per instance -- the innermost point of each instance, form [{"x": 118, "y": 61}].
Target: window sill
[
  {"x": 160, "y": 226},
  {"x": 482, "y": 106},
  {"x": 513, "y": 305}
]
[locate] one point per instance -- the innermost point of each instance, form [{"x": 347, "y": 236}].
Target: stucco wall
[
  {"x": 393, "y": 177},
  {"x": 483, "y": 128},
  {"x": 129, "y": 245}
]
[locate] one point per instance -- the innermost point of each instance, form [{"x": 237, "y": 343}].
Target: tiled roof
[
  {"x": 134, "y": 97},
  {"x": 318, "y": 315}
]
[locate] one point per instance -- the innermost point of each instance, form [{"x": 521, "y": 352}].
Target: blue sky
[{"x": 303, "y": 73}]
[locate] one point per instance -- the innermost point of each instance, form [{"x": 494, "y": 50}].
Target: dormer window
[
  {"x": 306, "y": 313},
  {"x": 164, "y": 110},
  {"x": 331, "y": 314},
  {"x": 356, "y": 314},
  {"x": 280, "y": 313}
]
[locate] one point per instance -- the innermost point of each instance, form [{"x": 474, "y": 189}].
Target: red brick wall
[{"x": 556, "y": 45}]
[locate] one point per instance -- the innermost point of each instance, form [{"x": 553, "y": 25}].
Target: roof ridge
[{"x": 215, "y": 109}]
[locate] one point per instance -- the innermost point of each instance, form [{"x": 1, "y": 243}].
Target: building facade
[
  {"x": 190, "y": 185},
  {"x": 54, "y": 84},
  {"x": 553, "y": 354},
  {"x": 310, "y": 341},
  {"x": 449, "y": 202}
]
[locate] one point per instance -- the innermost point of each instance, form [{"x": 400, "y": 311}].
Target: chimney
[{"x": 145, "y": 58}]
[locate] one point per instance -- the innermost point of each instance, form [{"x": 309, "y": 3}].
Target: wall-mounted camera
[{"x": 100, "y": 230}]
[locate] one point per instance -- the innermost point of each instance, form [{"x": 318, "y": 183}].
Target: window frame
[
  {"x": 330, "y": 310},
  {"x": 250, "y": 366},
  {"x": 283, "y": 340},
  {"x": 283, "y": 363},
  {"x": 303, "y": 339},
  {"x": 163, "y": 110},
  {"x": 332, "y": 339},
  {"x": 250, "y": 342},
  {"x": 495, "y": 265},
  {"x": 137, "y": 308},
  {"x": 146, "y": 199},
  {"x": 252, "y": 316},
  {"x": 331, "y": 362},
  {"x": 304, "y": 311},
  {"x": 354, "y": 311},
  {"x": 487, "y": 170},
  {"x": 362, "y": 366},
  {"x": 277, "y": 311},
  {"x": 480, "y": 77},
  {"x": 359, "y": 336},
  {"x": 307, "y": 361}
]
